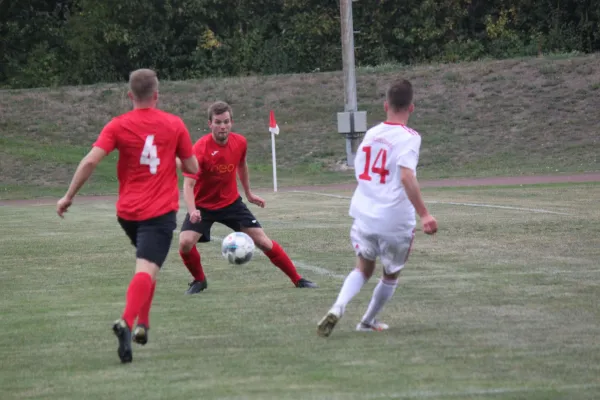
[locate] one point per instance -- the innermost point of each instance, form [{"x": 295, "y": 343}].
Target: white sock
[
  {"x": 352, "y": 285},
  {"x": 381, "y": 294}
]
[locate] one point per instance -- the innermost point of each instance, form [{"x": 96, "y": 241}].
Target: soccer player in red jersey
[
  {"x": 212, "y": 196},
  {"x": 149, "y": 142}
]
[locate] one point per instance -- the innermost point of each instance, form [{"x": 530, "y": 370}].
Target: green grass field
[{"x": 501, "y": 304}]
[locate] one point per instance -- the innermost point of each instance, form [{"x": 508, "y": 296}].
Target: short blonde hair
[{"x": 143, "y": 83}]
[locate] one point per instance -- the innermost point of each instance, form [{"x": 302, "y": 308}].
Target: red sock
[
  {"x": 279, "y": 257},
  {"x": 137, "y": 294},
  {"x": 193, "y": 264},
  {"x": 144, "y": 316}
]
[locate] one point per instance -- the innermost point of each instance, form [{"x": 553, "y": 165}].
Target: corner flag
[{"x": 274, "y": 129}]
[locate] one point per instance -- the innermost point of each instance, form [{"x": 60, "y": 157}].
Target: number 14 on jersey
[
  {"x": 150, "y": 155},
  {"x": 378, "y": 166}
]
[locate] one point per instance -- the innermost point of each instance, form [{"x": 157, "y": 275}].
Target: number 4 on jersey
[
  {"x": 150, "y": 155},
  {"x": 380, "y": 160}
]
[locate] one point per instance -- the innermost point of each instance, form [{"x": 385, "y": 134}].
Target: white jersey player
[{"x": 383, "y": 207}]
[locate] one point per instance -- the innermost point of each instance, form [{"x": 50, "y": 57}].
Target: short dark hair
[
  {"x": 217, "y": 108},
  {"x": 400, "y": 95},
  {"x": 143, "y": 83}
]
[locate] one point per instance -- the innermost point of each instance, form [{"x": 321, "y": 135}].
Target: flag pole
[
  {"x": 274, "y": 162},
  {"x": 274, "y": 129}
]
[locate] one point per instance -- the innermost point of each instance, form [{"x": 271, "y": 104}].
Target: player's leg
[
  {"x": 140, "y": 333},
  {"x": 382, "y": 293},
  {"x": 156, "y": 236},
  {"x": 153, "y": 239},
  {"x": 366, "y": 254},
  {"x": 239, "y": 218},
  {"x": 120, "y": 327},
  {"x": 189, "y": 236},
  {"x": 394, "y": 254},
  {"x": 138, "y": 292},
  {"x": 277, "y": 256}
]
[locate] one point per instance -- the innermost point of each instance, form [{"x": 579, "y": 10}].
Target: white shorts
[{"x": 392, "y": 249}]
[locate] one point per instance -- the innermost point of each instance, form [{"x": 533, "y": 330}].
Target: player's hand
[
  {"x": 62, "y": 206},
  {"x": 256, "y": 200},
  {"x": 195, "y": 217},
  {"x": 429, "y": 224}
]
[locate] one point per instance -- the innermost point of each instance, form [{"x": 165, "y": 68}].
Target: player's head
[
  {"x": 143, "y": 87},
  {"x": 399, "y": 98},
  {"x": 220, "y": 119}
]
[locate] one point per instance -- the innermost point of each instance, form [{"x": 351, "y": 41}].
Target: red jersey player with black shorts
[
  {"x": 212, "y": 196},
  {"x": 149, "y": 142}
]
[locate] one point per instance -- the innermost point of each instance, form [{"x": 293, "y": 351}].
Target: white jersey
[{"x": 380, "y": 203}]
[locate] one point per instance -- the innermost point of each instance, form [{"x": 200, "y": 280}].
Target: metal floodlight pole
[
  {"x": 348, "y": 55},
  {"x": 349, "y": 74}
]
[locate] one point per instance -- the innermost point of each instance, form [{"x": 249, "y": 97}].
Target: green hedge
[{"x": 61, "y": 42}]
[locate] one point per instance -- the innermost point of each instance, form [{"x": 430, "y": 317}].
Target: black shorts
[
  {"x": 152, "y": 237},
  {"x": 235, "y": 216}
]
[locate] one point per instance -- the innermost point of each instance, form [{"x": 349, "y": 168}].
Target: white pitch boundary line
[
  {"x": 432, "y": 394},
  {"x": 318, "y": 270},
  {"x": 335, "y": 196},
  {"x": 425, "y": 394},
  {"x": 535, "y": 210}
]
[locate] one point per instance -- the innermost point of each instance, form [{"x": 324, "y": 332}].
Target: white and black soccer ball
[{"x": 237, "y": 248}]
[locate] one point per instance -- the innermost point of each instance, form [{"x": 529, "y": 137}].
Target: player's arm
[
  {"x": 243, "y": 172},
  {"x": 244, "y": 175},
  {"x": 413, "y": 191},
  {"x": 188, "y": 165},
  {"x": 83, "y": 172},
  {"x": 106, "y": 142},
  {"x": 188, "y": 194},
  {"x": 407, "y": 161},
  {"x": 189, "y": 182},
  {"x": 186, "y": 159}
]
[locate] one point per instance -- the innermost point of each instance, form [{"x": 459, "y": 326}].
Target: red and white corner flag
[{"x": 273, "y": 127}]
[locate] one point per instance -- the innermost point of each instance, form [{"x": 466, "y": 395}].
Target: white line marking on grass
[
  {"x": 426, "y": 394},
  {"x": 336, "y": 196},
  {"x": 318, "y": 270},
  {"x": 299, "y": 264},
  {"x": 535, "y": 210}
]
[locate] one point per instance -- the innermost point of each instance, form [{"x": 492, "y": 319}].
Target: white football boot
[{"x": 374, "y": 326}]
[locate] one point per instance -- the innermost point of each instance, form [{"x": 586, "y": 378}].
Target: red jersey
[
  {"x": 148, "y": 140},
  {"x": 216, "y": 182}
]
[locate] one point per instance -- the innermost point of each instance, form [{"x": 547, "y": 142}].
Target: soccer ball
[{"x": 237, "y": 248}]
